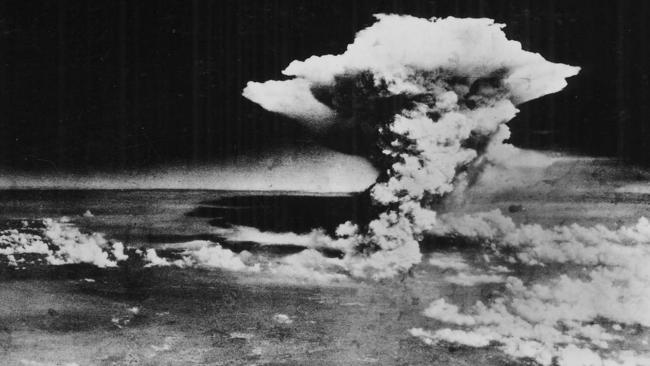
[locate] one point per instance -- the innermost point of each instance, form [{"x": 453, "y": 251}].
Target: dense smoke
[
  {"x": 584, "y": 316},
  {"x": 437, "y": 94}
]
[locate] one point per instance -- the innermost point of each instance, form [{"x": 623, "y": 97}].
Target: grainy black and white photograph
[{"x": 284, "y": 182}]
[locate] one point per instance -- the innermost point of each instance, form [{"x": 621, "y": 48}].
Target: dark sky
[{"x": 108, "y": 84}]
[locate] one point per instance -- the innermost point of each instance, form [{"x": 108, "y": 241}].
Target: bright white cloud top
[
  {"x": 438, "y": 94},
  {"x": 398, "y": 48}
]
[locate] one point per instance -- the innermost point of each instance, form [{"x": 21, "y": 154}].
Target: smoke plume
[{"x": 436, "y": 95}]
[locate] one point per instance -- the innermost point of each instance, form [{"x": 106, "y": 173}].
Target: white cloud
[
  {"x": 60, "y": 242},
  {"x": 214, "y": 256},
  {"x": 557, "y": 316},
  {"x": 448, "y": 261},
  {"x": 153, "y": 260},
  {"x": 448, "y": 313},
  {"x": 465, "y": 279}
]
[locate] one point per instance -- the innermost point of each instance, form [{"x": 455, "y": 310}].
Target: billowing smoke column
[{"x": 437, "y": 93}]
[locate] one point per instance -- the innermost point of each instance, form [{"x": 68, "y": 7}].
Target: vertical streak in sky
[
  {"x": 620, "y": 80},
  {"x": 208, "y": 115},
  {"x": 195, "y": 80},
  {"x": 4, "y": 71},
  {"x": 239, "y": 52},
  {"x": 122, "y": 117},
  {"x": 135, "y": 76},
  {"x": 61, "y": 81},
  {"x": 644, "y": 145},
  {"x": 89, "y": 90}
]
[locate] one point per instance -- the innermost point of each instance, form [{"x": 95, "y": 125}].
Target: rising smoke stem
[{"x": 437, "y": 94}]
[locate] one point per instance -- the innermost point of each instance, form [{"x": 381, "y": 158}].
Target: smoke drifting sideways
[{"x": 437, "y": 94}]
